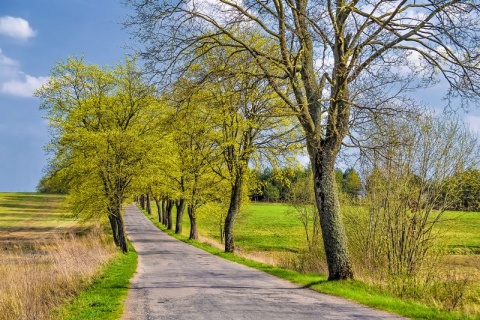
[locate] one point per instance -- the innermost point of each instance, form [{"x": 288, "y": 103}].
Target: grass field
[
  {"x": 47, "y": 258},
  {"x": 461, "y": 231},
  {"x": 32, "y": 218}
]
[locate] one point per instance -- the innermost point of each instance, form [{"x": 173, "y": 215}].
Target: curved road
[{"x": 178, "y": 281}]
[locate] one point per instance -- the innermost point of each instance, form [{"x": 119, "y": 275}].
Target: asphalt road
[{"x": 178, "y": 281}]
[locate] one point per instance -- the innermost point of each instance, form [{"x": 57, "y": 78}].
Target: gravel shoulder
[{"x": 178, "y": 281}]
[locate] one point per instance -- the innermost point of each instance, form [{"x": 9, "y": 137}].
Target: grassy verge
[
  {"x": 104, "y": 298},
  {"x": 352, "y": 290}
]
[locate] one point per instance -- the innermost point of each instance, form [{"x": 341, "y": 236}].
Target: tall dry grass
[{"x": 37, "y": 278}]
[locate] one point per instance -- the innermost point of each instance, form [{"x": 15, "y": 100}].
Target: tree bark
[
  {"x": 142, "y": 202},
  {"x": 149, "y": 207},
  {"x": 118, "y": 228},
  {"x": 326, "y": 198},
  {"x": 159, "y": 208},
  {"x": 170, "y": 204},
  {"x": 164, "y": 211},
  {"x": 180, "y": 209},
  {"x": 121, "y": 233},
  {"x": 193, "y": 222},
  {"x": 113, "y": 225},
  {"x": 233, "y": 209}
]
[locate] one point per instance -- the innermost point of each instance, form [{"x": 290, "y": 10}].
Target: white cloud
[
  {"x": 8, "y": 67},
  {"x": 473, "y": 122},
  {"x": 16, "y": 27},
  {"x": 15, "y": 82},
  {"x": 24, "y": 87}
]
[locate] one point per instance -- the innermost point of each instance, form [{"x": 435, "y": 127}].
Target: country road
[{"x": 178, "y": 281}]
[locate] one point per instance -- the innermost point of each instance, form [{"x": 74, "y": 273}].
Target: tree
[
  {"x": 464, "y": 189},
  {"x": 352, "y": 185},
  {"x": 336, "y": 65},
  {"x": 246, "y": 112},
  {"x": 195, "y": 154},
  {"x": 103, "y": 121}
]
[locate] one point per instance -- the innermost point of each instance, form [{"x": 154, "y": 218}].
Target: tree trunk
[
  {"x": 170, "y": 204},
  {"x": 159, "y": 208},
  {"x": 142, "y": 202},
  {"x": 193, "y": 222},
  {"x": 149, "y": 207},
  {"x": 164, "y": 211},
  {"x": 180, "y": 208},
  {"x": 233, "y": 209},
  {"x": 222, "y": 232},
  {"x": 326, "y": 198},
  {"x": 113, "y": 225},
  {"x": 121, "y": 233},
  {"x": 118, "y": 228}
]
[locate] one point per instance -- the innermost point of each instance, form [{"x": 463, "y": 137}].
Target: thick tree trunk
[
  {"x": 118, "y": 229},
  {"x": 113, "y": 225},
  {"x": 142, "y": 202},
  {"x": 326, "y": 197},
  {"x": 170, "y": 204},
  {"x": 193, "y": 222},
  {"x": 149, "y": 207},
  {"x": 233, "y": 209},
  {"x": 121, "y": 233},
  {"x": 180, "y": 209}
]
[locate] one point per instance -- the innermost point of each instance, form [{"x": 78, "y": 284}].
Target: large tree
[
  {"x": 340, "y": 63},
  {"x": 103, "y": 123}
]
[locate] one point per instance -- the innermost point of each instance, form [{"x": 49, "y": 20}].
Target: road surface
[{"x": 178, "y": 281}]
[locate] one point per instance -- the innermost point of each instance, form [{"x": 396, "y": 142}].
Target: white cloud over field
[
  {"x": 13, "y": 81},
  {"x": 16, "y": 28}
]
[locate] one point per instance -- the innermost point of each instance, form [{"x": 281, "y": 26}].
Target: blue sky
[{"x": 34, "y": 35}]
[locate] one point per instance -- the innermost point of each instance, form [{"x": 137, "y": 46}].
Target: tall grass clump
[{"x": 37, "y": 278}]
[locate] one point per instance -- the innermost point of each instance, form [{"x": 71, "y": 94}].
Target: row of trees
[
  {"x": 276, "y": 184},
  {"x": 238, "y": 73},
  {"x": 114, "y": 137},
  {"x": 339, "y": 67}
]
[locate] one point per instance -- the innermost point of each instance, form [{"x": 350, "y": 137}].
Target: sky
[{"x": 34, "y": 36}]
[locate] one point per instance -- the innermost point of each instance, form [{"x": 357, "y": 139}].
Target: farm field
[
  {"x": 276, "y": 227},
  {"x": 46, "y": 256},
  {"x": 29, "y": 218}
]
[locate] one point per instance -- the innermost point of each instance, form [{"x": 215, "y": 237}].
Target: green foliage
[
  {"x": 463, "y": 190},
  {"x": 276, "y": 184},
  {"x": 104, "y": 123},
  {"x": 352, "y": 185}
]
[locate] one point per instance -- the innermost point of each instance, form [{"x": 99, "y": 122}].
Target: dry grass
[
  {"x": 46, "y": 256},
  {"x": 39, "y": 278}
]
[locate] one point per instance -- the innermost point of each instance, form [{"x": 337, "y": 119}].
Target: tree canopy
[{"x": 103, "y": 123}]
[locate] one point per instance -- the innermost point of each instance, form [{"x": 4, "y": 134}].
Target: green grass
[
  {"x": 272, "y": 227},
  {"x": 104, "y": 299},
  {"x": 259, "y": 227},
  {"x": 461, "y": 231},
  {"x": 22, "y": 209}
]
